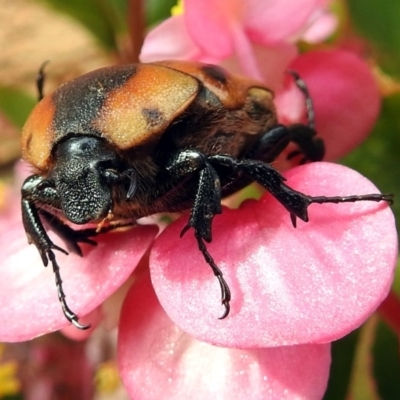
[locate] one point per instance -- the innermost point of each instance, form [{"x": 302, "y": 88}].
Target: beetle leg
[
  {"x": 295, "y": 202},
  {"x": 74, "y": 236},
  {"x": 38, "y": 236},
  {"x": 309, "y": 103},
  {"x": 273, "y": 142},
  {"x": 41, "y": 76},
  {"x": 70, "y": 236},
  {"x": 206, "y": 205}
]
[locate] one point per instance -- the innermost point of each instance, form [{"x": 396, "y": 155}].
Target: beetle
[{"x": 125, "y": 142}]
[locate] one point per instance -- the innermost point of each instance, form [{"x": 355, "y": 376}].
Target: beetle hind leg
[
  {"x": 274, "y": 141},
  {"x": 308, "y": 100}
]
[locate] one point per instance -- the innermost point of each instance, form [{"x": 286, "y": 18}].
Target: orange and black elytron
[{"x": 125, "y": 142}]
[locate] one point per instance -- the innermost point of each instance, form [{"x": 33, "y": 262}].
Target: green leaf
[
  {"x": 362, "y": 385},
  {"x": 386, "y": 363},
  {"x": 16, "y": 105},
  {"x": 158, "y": 10},
  {"x": 378, "y": 158},
  {"x": 343, "y": 353},
  {"x": 378, "y": 21}
]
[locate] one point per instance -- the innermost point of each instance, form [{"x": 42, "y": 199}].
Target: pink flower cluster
[{"x": 293, "y": 290}]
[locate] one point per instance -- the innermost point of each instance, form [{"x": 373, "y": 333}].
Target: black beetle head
[{"x": 81, "y": 177}]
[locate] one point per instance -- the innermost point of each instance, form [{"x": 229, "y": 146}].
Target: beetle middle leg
[
  {"x": 206, "y": 205},
  {"x": 295, "y": 202}
]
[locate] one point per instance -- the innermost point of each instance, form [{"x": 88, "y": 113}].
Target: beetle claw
[
  {"x": 76, "y": 323},
  {"x": 227, "y": 306}
]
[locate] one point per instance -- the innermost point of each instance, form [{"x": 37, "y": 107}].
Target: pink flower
[
  {"x": 258, "y": 39},
  {"x": 293, "y": 290},
  {"x": 159, "y": 360},
  {"x": 304, "y": 286},
  {"x": 219, "y": 31},
  {"x": 29, "y": 304}
]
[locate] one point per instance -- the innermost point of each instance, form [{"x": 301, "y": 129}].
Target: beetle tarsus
[
  {"x": 309, "y": 103},
  {"x": 70, "y": 315},
  {"x": 225, "y": 291},
  {"x": 227, "y": 306},
  {"x": 352, "y": 199}
]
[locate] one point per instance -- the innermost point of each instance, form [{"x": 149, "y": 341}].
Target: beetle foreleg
[
  {"x": 206, "y": 205},
  {"x": 70, "y": 236},
  {"x": 38, "y": 236}
]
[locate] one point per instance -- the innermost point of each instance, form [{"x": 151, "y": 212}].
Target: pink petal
[
  {"x": 270, "y": 22},
  {"x": 265, "y": 64},
  {"x": 169, "y": 40},
  {"x": 312, "y": 284},
  {"x": 209, "y": 23},
  {"x": 28, "y": 297},
  {"x": 323, "y": 26},
  {"x": 212, "y": 23},
  {"x": 345, "y": 94},
  {"x": 159, "y": 361}
]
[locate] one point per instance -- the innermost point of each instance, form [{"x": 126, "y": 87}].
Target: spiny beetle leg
[
  {"x": 70, "y": 236},
  {"x": 295, "y": 202},
  {"x": 225, "y": 291},
  {"x": 273, "y": 142},
  {"x": 31, "y": 191},
  {"x": 70, "y": 315},
  {"x": 308, "y": 99},
  {"x": 206, "y": 205},
  {"x": 208, "y": 197}
]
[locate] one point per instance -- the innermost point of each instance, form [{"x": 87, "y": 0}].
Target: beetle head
[{"x": 83, "y": 176}]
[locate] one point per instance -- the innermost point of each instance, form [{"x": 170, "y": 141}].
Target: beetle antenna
[
  {"x": 309, "y": 103},
  {"x": 40, "y": 78}
]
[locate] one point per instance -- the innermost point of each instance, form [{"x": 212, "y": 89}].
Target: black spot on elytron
[
  {"x": 215, "y": 72},
  {"x": 79, "y": 102},
  {"x": 153, "y": 116}
]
